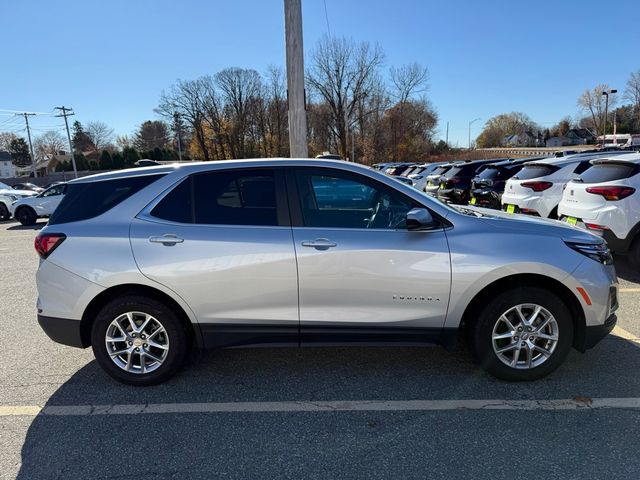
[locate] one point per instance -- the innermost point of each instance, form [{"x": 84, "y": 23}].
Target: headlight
[
  {"x": 13, "y": 198},
  {"x": 597, "y": 251}
]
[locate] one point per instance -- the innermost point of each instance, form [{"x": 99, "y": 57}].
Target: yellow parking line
[
  {"x": 629, "y": 290},
  {"x": 622, "y": 333},
  {"x": 19, "y": 410}
]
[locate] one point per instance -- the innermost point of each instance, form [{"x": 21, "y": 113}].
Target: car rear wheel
[
  {"x": 523, "y": 334},
  {"x": 26, "y": 216},
  {"x": 634, "y": 254},
  {"x": 4, "y": 212},
  {"x": 139, "y": 341}
]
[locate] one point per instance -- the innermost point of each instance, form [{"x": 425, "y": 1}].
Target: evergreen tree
[
  {"x": 80, "y": 140},
  {"x": 105, "y": 163},
  {"x": 117, "y": 161},
  {"x": 19, "y": 151}
]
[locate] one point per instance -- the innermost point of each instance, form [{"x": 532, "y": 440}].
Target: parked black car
[
  {"x": 455, "y": 184},
  {"x": 487, "y": 187}
]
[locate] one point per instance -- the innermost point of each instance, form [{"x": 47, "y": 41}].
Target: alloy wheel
[
  {"x": 137, "y": 342},
  {"x": 525, "y": 336}
]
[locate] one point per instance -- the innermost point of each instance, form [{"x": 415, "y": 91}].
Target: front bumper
[
  {"x": 64, "y": 330},
  {"x": 595, "y": 333}
]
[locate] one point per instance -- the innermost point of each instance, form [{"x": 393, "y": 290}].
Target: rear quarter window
[
  {"x": 607, "y": 172},
  {"x": 88, "y": 200}
]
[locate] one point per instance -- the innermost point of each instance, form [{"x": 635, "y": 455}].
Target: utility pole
[
  {"x": 447, "y": 137},
  {"x": 176, "y": 120},
  {"x": 33, "y": 158},
  {"x": 471, "y": 123},
  {"x": 64, "y": 114},
  {"x": 295, "y": 79},
  {"x": 606, "y": 112}
]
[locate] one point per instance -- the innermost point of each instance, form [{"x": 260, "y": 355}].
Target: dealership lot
[{"x": 304, "y": 413}]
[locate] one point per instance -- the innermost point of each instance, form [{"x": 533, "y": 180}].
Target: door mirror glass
[{"x": 420, "y": 219}]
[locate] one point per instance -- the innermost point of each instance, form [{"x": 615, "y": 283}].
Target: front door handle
[
  {"x": 168, "y": 239},
  {"x": 319, "y": 244}
]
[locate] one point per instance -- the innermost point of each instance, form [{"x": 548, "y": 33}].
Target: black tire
[
  {"x": 634, "y": 254},
  {"x": 481, "y": 331},
  {"x": 4, "y": 212},
  {"x": 176, "y": 331},
  {"x": 26, "y": 216}
]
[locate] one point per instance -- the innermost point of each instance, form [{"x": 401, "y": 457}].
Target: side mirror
[{"x": 420, "y": 219}]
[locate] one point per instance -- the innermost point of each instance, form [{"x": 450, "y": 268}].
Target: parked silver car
[{"x": 145, "y": 264}]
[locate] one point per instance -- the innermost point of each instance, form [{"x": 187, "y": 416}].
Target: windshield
[
  {"x": 454, "y": 171},
  {"x": 607, "y": 172}
]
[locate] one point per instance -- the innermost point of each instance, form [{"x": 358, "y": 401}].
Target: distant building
[
  {"x": 558, "y": 142},
  {"x": 48, "y": 165},
  {"x": 7, "y": 168},
  {"x": 524, "y": 139},
  {"x": 580, "y": 136}
]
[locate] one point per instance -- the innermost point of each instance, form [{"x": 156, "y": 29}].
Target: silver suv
[{"x": 145, "y": 264}]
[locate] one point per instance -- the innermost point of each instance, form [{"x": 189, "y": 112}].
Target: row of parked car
[
  {"x": 27, "y": 202},
  {"x": 596, "y": 191}
]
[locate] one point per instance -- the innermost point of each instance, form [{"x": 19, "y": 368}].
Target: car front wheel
[
  {"x": 4, "y": 212},
  {"x": 139, "y": 341},
  {"x": 26, "y": 216},
  {"x": 523, "y": 334}
]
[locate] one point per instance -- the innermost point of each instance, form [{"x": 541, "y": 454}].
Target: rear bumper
[
  {"x": 595, "y": 333},
  {"x": 63, "y": 330},
  {"x": 487, "y": 198},
  {"x": 454, "y": 195}
]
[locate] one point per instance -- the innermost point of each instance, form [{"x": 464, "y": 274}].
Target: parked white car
[
  {"x": 419, "y": 175},
  {"x": 8, "y": 195},
  {"x": 605, "y": 200},
  {"x": 28, "y": 210},
  {"x": 537, "y": 188}
]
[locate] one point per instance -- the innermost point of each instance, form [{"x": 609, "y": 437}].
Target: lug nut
[
  {"x": 145, "y": 345},
  {"x": 143, "y": 336},
  {"x": 137, "y": 349},
  {"x": 130, "y": 343},
  {"x": 531, "y": 338},
  {"x": 519, "y": 329},
  {"x": 133, "y": 335},
  {"x": 516, "y": 338},
  {"x": 522, "y": 344}
]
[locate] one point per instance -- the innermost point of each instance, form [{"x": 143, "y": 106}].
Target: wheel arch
[
  {"x": 111, "y": 293},
  {"x": 531, "y": 280}
]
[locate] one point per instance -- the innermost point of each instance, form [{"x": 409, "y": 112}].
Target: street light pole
[
  {"x": 606, "y": 108},
  {"x": 471, "y": 123}
]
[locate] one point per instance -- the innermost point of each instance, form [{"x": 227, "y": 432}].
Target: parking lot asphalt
[{"x": 310, "y": 413}]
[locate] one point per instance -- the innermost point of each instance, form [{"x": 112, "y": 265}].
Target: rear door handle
[
  {"x": 319, "y": 244},
  {"x": 168, "y": 239}
]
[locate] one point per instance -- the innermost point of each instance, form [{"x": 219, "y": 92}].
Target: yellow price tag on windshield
[
  {"x": 511, "y": 209},
  {"x": 473, "y": 201},
  {"x": 572, "y": 220}
]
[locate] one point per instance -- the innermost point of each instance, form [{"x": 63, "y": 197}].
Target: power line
[
  {"x": 67, "y": 112},
  {"x": 326, "y": 17}
]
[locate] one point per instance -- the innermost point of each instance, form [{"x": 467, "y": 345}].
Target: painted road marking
[
  {"x": 578, "y": 403},
  {"x": 629, "y": 290}
]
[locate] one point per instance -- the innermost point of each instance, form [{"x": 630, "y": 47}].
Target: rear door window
[
  {"x": 607, "y": 172},
  {"x": 83, "y": 201}
]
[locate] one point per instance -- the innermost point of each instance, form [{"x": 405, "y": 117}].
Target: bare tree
[
  {"x": 593, "y": 103},
  {"x": 632, "y": 95},
  {"x": 5, "y": 140},
  {"x": 48, "y": 144},
  {"x": 342, "y": 72},
  {"x": 239, "y": 87},
  {"x": 100, "y": 134},
  {"x": 408, "y": 80}
]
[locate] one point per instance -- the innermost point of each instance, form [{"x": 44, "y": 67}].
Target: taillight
[
  {"x": 612, "y": 193},
  {"x": 45, "y": 243},
  {"x": 537, "y": 186}
]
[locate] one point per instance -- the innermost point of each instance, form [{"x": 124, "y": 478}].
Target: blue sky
[{"x": 110, "y": 60}]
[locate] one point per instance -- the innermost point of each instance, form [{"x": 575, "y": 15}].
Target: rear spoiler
[{"x": 615, "y": 161}]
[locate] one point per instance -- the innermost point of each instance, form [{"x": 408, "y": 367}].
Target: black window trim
[
  {"x": 282, "y": 206},
  {"x": 295, "y": 209}
]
